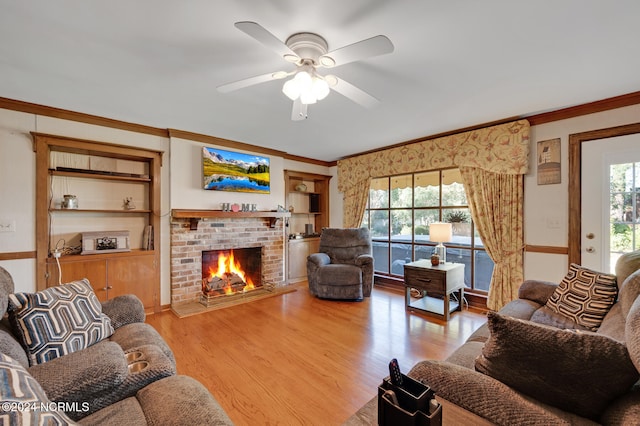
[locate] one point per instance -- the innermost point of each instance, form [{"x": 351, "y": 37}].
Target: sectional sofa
[
  {"x": 561, "y": 354},
  {"x": 66, "y": 358}
]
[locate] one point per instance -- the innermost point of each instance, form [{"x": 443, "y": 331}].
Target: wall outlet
[{"x": 7, "y": 225}]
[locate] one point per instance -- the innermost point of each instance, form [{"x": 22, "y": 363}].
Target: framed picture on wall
[
  {"x": 234, "y": 171},
  {"x": 548, "y": 153}
]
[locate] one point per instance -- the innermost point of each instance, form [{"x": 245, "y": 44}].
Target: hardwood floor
[{"x": 295, "y": 359}]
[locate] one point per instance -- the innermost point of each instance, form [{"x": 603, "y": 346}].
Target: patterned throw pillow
[
  {"x": 58, "y": 321},
  {"x": 584, "y": 296},
  {"x": 23, "y": 400}
]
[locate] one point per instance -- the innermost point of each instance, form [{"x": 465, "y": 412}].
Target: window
[
  {"x": 624, "y": 210},
  {"x": 401, "y": 208}
]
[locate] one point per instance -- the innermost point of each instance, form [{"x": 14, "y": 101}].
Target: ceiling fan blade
[
  {"x": 357, "y": 95},
  {"x": 299, "y": 111},
  {"x": 259, "y": 33},
  {"x": 374, "y": 46},
  {"x": 230, "y": 87}
]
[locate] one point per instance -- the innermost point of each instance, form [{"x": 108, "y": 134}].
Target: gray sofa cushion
[
  {"x": 613, "y": 324},
  {"x": 629, "y": 292},
  {"x": 489, "y": 398},
  {"x": 632, "y": 333},
  {"x": 537, "y": 291},
  {"x": 6, "y": 288},
  {"x": 9, "y": 345},
  {"x": 626, "y": 265},
  {"x": 340, "y": 274},
  {"x": 126, "y": 412},
  {"x": 161, "y": 407},
  {"x": 87, "y": 374},
  {"x": 123, "y": 310},
  {"x": 546, "y": 316},
  {"x": 580, "y": 372},
  {"x": 132, "y": 336}
]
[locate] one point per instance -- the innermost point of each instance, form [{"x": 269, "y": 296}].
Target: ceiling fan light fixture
[
  {"x": 320, "y": 88},
  {"x": 308, "y": 98},
  {"x": 291, "y": 89},
  {"x": 307, "y": 86}
]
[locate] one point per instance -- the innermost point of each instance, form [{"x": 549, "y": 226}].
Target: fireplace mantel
[{"x": 196, "y": 215}]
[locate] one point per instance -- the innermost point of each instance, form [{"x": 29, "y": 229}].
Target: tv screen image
[{"x": 233, "y": 171}]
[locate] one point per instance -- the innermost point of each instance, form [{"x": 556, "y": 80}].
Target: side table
[{"x": 440, "y": 280}]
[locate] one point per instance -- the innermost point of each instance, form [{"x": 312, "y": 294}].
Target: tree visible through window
[
  {"x": 401, "y": 208},
  {"x": 624, "y": 210}
]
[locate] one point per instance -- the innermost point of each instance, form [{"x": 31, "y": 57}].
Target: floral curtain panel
[
  {"x": 502, "y": 149},
  {"x": 496, "y": 202}
]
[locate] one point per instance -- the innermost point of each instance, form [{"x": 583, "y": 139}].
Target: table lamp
[{"x": 441, "y": 233}]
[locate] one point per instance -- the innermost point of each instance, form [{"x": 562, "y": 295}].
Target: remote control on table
[{"x": 394, "y": 373}]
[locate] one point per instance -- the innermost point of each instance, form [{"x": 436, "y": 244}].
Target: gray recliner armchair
[{"x": 343, "y": 268}]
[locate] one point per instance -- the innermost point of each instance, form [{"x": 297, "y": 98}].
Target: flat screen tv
[{"x": 233, "y": 171}]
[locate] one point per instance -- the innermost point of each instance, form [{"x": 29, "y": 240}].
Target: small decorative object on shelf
[
  {"x": 235, "y": 207},
  {"x": 435, "y": 259},
  {"x": 105, "y": 242},
  {"x": 128, "y": 203},
  {"x": 301, "y": 187},
  {"x": 69, "y": 202}
]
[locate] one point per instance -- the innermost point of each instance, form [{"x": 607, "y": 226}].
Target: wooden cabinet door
[
  {"x": 298, "y": 252},
  {"x": 297, "y": 260},
  {"x": 94, "y": 270},
  {"x": 134, "y": 275}
]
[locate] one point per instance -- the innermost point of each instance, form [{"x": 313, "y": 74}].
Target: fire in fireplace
[{"x": 228, "y": 272}]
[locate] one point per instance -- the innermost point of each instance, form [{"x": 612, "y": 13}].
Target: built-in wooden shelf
[
  {"x": 196, "y": 215},
  {"x": 117, "y": 211},
  {"x": 96, "y": 175}
]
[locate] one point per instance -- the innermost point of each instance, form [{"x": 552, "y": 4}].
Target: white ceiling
[{"x": 456, "y": 63}]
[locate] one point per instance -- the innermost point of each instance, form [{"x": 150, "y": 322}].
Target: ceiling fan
[{"x": 309, "y": 52}]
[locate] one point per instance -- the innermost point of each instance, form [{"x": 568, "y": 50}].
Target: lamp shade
[{"x": 440, "y": 232}]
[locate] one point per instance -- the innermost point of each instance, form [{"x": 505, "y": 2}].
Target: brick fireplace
[{"x": 194, "y": 232}]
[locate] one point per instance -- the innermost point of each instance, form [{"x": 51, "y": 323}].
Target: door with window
[{"x": 610, "y": 210}]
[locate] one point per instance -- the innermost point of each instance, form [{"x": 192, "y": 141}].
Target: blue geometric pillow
[
  {"x": 58, "y": 321},
  {"x": 23, "y": 400}
]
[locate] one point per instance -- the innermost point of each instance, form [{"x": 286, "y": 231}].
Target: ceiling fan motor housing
[{"x": 308, "y": 46}]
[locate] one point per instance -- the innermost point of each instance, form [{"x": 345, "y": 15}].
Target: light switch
[
  {"x": 7, "y": 225},
  {"x": 553, "y": 222}
]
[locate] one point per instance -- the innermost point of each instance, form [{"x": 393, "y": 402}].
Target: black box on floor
[{"x": 413, "y": 404}]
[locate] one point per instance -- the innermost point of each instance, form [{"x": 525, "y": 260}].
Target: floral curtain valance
[{"x": 500, "y": 149}]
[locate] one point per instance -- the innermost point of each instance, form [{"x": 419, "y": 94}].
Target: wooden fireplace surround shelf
[{"x": 195, "y": 216}]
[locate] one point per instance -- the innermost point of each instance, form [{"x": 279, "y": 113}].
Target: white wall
[
  {"x": 546, "y": 210},
  {"x": 186, "y": 181}
]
